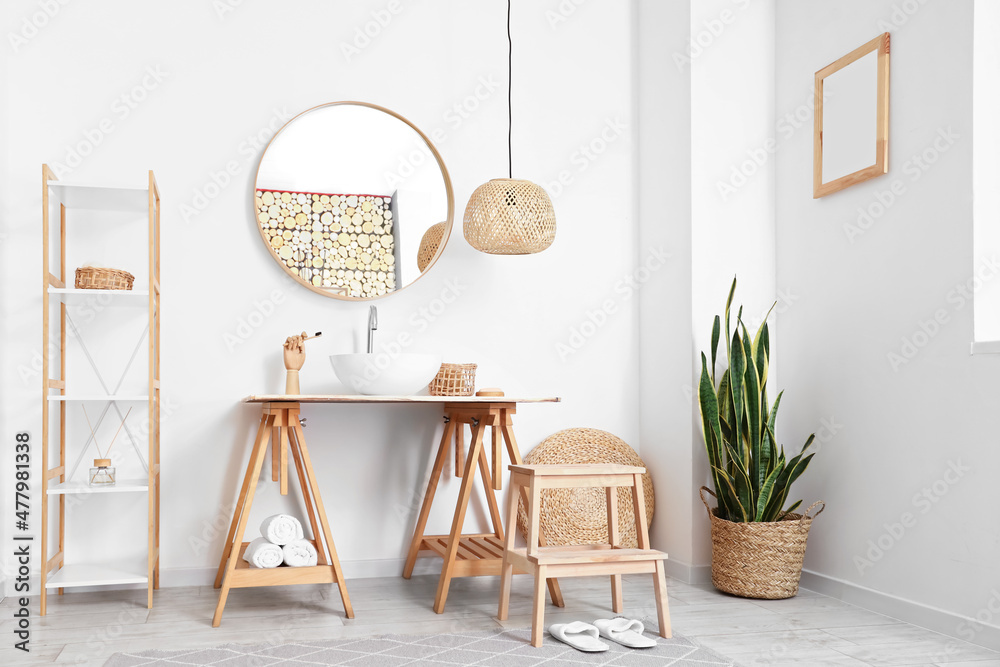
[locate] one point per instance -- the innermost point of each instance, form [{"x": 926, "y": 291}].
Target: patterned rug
[{"x": 509, "y": 648}]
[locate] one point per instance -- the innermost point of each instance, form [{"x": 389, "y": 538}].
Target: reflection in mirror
[
  {"x": 343, "y": 196},
  {"x": 852, "y": 118}
]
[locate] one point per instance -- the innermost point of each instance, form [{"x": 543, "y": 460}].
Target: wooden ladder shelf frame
[{"x": 57, "y": 561}]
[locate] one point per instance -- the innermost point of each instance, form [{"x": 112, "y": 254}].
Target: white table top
[{"x": 360, "y": 398}]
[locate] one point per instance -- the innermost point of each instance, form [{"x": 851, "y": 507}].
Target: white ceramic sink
[{"x": 380, "y": 374}]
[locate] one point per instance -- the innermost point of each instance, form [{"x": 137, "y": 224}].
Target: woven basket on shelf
[
  {"x": 509, "y": 217},
  {"x": 580, "y": 516},
  {"x": 759, "y": 559},
  {"x": 95, "y": 277},
  {"x": 454, "y": 380}
]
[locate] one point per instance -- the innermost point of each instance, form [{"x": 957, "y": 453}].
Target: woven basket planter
[
  {"x": 580, "y": 516},
  {"x": 761, "y": 560},
  {"x": 454, "y": 380},
  {"x": 94, "y": 277}
]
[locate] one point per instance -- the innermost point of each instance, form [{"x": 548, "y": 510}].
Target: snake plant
[{"x": 751, "y": 474}]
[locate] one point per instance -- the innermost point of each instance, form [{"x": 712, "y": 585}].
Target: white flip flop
[
  {"x": 624, "y": 631},
  {"x": 581, "y": 636}
]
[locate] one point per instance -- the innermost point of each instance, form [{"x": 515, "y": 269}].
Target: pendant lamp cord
[{"x": 510, "y": 113}]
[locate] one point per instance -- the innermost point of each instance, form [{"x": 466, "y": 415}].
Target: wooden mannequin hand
[{"x": 295, "y": 352}]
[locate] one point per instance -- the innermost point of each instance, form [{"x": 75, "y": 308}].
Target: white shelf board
[
  {"x": 121, "y": 486},
  {"x": 106, "y": 297},
  {"x": 83, "y": 574},
  {"x": 122, "y": 398},
  {"x": 100, "y": 197}
]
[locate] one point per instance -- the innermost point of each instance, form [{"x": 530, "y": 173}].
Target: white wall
[
  {"x": 986, "y": 168},
  {"x": 732, "y": 175},
  {"x": 705, "y": 104},
  {"x": 227, "y": 82},
  {"x": 905, "y": 405},
  {"x": 664, "y": 202}
]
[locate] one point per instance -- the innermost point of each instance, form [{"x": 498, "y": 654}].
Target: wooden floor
[{"x": 813, "y": 630}]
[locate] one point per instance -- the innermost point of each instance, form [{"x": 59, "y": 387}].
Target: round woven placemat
[{"x": 580, "y": 516}]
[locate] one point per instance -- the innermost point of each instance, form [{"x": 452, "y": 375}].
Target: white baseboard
[
  {"x": 982, "y": 632},
  {"x": 687, "y": 573}
]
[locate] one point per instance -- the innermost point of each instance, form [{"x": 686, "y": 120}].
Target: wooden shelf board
[
  {"x": 109, "y": 297},
  {"x": 99, "y": 197},
  {"x": 87, "y": 574},
  {"x": 123, "y": 398},
  {"x": 122, "y": 486},
  {"x": 478, "y": 555}
]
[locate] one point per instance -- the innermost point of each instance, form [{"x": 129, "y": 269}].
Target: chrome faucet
[{"x": 372, "y": 326}]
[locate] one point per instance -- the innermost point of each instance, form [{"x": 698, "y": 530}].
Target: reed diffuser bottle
[{"x": 103, "y": 473}]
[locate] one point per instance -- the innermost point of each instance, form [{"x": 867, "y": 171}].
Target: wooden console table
[{"x": 463, "y": 555}]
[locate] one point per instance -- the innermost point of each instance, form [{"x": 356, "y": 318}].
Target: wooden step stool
[{"x": 579, "y": 560}]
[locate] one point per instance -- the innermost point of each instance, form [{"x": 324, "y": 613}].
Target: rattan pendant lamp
[{"x": 509, "y": 216}]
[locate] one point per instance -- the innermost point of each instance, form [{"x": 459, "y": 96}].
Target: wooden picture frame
[{"x": 879, "y": 45}]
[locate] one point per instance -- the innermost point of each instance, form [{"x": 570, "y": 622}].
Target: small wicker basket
[
  {"x": 95, "y": 277},
  {"x": 454, "y": 380}
]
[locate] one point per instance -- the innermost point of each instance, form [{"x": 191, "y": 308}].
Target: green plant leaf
[
  {"x": 729, "y": 301},
  {"x": 737, "y": 513},
  {"x": 715, "y": 345},
  {"x": 767, "y": 457},
  {"x": 761, "y": 355},
  {"x": 741, "y": 481},
  {"x": 737, "y": 378},
  {"x": 711, "y": 428},
  {"x": 774, "y": 413},
  {"x": 752, "y": 401},
  {"x": 799, "y": 468},
  {"x": 765, "y": 494},
  {"x": 791, "y": 509}
]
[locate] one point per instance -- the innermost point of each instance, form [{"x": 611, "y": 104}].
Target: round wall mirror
[{"x": 353, "y": 201}]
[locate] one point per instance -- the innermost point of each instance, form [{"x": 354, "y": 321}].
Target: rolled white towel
[
  {"x": 299, "y": 553},
  {"x": 281, "y": 529},
  {"x": 261, "y": 553}
]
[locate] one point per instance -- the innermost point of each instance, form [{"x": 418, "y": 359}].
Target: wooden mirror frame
[
  {"x": 449, "y": 221},
  {"x": 820, "y": 189}
]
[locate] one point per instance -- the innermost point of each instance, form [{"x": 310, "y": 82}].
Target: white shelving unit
[
  {"x": 80, "y": 398},
  {"x": 57, "y": 573},
  {"x": 105, "y": 297},
  {"x": 121, "y": 486},
  {"x": 95, "y": 575}
]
